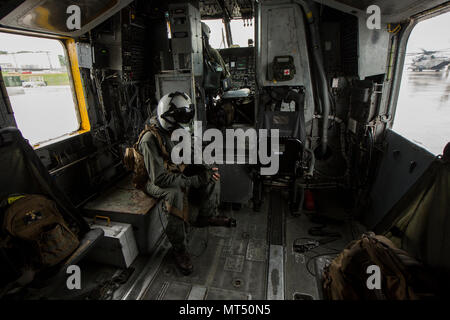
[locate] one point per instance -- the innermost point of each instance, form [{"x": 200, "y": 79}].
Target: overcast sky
[
  {"x": 14, "y": 43},
  {"x": 432, "y": 34},
  {"x": 239, "y": 32}
]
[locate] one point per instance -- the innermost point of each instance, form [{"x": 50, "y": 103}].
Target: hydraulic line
[
  {"x": 343, "y": 131},
  {"x": 321, "y": 70}
]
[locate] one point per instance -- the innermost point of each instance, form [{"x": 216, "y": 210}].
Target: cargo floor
[
  {"x": 228, "y": 263},
  {"x": 256, "y": 260}
]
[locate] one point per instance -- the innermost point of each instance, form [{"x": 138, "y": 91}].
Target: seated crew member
[
  {"x": 212, "y": 55},
  {"x": 188, "y": 198}
]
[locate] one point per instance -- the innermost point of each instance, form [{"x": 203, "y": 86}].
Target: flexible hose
[
  {"x": 343, "y": 131},
  {"x": 323, "y": 78}
]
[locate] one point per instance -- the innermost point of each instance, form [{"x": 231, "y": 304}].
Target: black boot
[{"x": 183, "y": 262}]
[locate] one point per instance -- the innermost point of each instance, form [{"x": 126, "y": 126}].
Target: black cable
[
  {"x": 315, "y": 257},
  {"x": 311, "y": 244}
]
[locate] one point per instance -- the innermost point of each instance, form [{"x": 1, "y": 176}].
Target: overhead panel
[{"x": 211, "y": 9}]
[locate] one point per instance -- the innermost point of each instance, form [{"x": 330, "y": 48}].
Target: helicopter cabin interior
[{"x": 313, "y": 70}]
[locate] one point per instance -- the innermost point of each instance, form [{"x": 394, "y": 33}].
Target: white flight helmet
[{"x": 175, "y": 110}]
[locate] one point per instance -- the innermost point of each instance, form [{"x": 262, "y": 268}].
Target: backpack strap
[
  {"x": 147, "y": 128},
  {"x": 158, "y": 137},
  {"x": 167, "y": 163}
]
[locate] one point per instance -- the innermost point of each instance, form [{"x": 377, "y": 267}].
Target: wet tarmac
[
  {"x": 423, "y": 109},
  {"x": 44, "y": 113}
]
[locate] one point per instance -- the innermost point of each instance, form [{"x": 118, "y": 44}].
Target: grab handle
[{"x": 108, "y": 219}]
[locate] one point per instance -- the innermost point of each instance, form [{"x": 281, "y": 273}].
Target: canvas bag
[
  {"x": 402, "y": 277},
  {"x": 36, "y": 221}
]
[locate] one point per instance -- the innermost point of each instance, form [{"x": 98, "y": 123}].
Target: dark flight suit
[
  {"x": 217, "y": 58},
  {"x": 214, "y": 56},
  {"x": 185, "y": 198}
]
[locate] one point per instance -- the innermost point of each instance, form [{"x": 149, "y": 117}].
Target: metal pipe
[
  {"x": 312, "y": 164},
  {"x": 343, "y": 130},
  {"x": 66, "y": 166},
  {"x": 323, "y": 78},
  {"x": 228, "y": 33},
  {"x": 53, "y": 172},
  {"x": 226, "y": 19}
]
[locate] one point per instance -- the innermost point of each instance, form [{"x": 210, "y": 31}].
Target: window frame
[{"x": 73, "y": 71}]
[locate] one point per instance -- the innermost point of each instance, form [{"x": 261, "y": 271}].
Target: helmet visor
[{"x": 182, "y": 115}]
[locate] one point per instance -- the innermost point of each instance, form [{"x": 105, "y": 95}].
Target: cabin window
[
  {"x": 423, "y": 108},
  {"x": 39, "y": 85},
  {"x": 241, "y": 31},
  {"x": 218, "y": 36}
]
